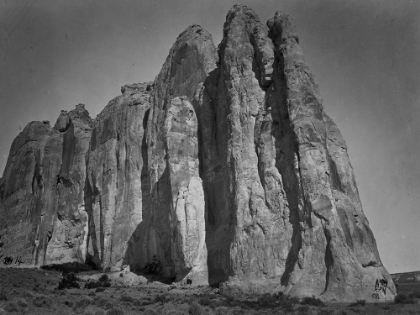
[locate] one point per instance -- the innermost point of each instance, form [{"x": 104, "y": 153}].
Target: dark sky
[{"x": 365, "y": 56}]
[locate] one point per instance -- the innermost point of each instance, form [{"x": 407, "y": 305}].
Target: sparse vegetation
[
  {"x": 312, "y": 301},
  {"x": 404, "y": 299},
  {"x": 71, "y": 267},
  {"x": 68, "y": 281},
  {"x": 195, "y": 309},
  {"x": 41, "y": 301},
  {"x": 160, "y": 298},
  {"x": 3, "y": 296},
  {"x": 11, "y": 307},
  {"x": 358, "y": 302},
  {"x": 103, "y": 282}
]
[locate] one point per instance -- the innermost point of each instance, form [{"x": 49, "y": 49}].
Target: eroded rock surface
[
  {"x": 226, "y": 169},
  {"x": 42, "y": 191},
  {"x": 114, "y": 192}
]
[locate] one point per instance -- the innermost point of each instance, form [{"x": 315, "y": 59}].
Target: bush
[
  {"x": 11, "y": 307},
  {"x": 160, "y": 298},
  {"x": 3, "y": 296},
  {"x": 127, "y": 298},
  {"x": 41, "y": 301},
  {"x": 22, "y": 303},
  {"x": 414, "y": 295},
  {"x": 68, "y": 281},
  {"x": 100, "y": 289},
  {"x": 195, "y": 309},
  {"x": 103, "y": 281},
  {"x": 114, "y": 311},
  {"x": 153, "y": 267},
  {"x": 404, "y": 299},
  {"x": 71, "y": 267},
  {"x": 312, "y": 301},
  {"x": 68, "y": 303},
  {"x": 358, "y": 302}
]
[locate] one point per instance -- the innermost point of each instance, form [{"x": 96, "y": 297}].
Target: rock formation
[{"x": 226, "y": 169}]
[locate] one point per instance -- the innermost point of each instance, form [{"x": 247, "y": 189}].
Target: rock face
[
  {"x": 114, "y": 192},
  {"x": 226, "y": 169},
  {"x": 42, "y": 191}
]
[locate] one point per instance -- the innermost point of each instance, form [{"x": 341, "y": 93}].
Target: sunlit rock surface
[{"x": 225, "y": 168}]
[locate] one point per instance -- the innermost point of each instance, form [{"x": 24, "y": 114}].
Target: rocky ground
[{"x": 35, "y": 291}]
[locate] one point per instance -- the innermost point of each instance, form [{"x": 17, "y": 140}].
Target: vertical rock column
[
  {"x": 113, "y": 193},
  {"x": 333, "y": 254},
  {"x": 69, "y": 234},
  {"x": 29, "y": 193},
  {"x": 175, "y": 231},
  {"x": 248, "y": 220},
  {"x": 189, "y": 252}
]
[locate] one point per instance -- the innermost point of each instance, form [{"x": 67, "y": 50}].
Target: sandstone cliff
[{"x": 226, "y": 169}]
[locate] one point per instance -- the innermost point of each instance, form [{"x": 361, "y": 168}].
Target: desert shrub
[
  {"x": 127, "y": 298},
  {"x": 11, "y": 307},
  {"x": 103, "y": 281},
  {"x": 68, "y": 303},
  {"x": 358, "y": 302},
  {"x": 404, "y": 299},
  {"x": 68, "y": 281},
  {"x": 205, "y": 301},
  {"x": 195, "y": 309},
  {"x": 71, "y": 267},
  {"x": 311, "y": 301},
  {"x": 114, "y": 311},
  {"x": 3, "y": 296},
  {"x": 303, "y": 310},
  {"x": 161, "y": 298},
  {"x": 41, "y": 301},
  {"x": 287, "y": 302},
  {"x": 415, "y": 294},
  {"x": 104, "y": 304},
  {"x": 100, "y": 289},
  {"x": 154, "y": 267},
  {"x": 22, "y": 303}
]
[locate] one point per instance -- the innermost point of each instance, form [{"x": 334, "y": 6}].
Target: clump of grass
[
  {"x": 303, "y": 310},
  {"x": 195, "y": 309},
  {"x": 127, "y": 298},
  {"x": 68, "y": 303},
  {"x": 115, "y": 311},
  {"x": 3, "y": 296},
  {"x": 22, "y": 303},
  {"x": 68, "y": 281},
  {"x": 358, "y": 302},
  {"x": 414, "y": 294},
  {"x": 312, "y": 301},
  {"x": 161, "y": 298},
  {"x": 11, "y": 307},
  {"x": 41, "y": 301},
  {"x": 404, "y": 299},
  {"x": 103, "y": 281}
]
